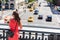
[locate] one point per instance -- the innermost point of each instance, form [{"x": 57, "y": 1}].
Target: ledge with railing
[{"x": 29, "y": 33}]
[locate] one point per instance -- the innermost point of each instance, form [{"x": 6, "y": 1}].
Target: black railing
[{"x": 32, "y": 35}]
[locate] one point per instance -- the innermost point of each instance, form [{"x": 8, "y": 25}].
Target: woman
[{"x": 15, "y": 23}]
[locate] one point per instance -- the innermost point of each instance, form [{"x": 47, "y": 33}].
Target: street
[{"x": 44, "y": 10}]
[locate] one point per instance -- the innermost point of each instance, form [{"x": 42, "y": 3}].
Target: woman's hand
[
  {"x": 20, "y": 28},
  {"x": 20, "y": 25}
]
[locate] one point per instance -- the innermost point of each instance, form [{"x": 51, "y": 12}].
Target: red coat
[{"x": 12, "y": 25}]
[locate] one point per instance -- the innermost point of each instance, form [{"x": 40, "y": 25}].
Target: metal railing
[{"x": 32, "y": 35}]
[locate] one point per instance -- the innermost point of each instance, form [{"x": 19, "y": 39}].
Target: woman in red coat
[{"x": 15, "y": 23}]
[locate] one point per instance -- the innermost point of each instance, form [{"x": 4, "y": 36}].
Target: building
[{"x": 8, "y": 4}]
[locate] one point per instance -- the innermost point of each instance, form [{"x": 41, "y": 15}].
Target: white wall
[{"x": 16, "y": 3}]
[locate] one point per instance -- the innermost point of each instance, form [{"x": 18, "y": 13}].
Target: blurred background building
[{"x": 8, "y": 4}]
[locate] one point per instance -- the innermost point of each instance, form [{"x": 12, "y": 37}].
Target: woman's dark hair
[{"x": 16, "y": 17}]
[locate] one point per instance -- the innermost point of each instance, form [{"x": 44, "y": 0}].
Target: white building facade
[{"x": 17, "y": 3}]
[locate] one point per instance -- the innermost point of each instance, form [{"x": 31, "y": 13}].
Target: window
[
  {"x": 12, "y": 6},
  {"x": 6, "y": 6}
]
